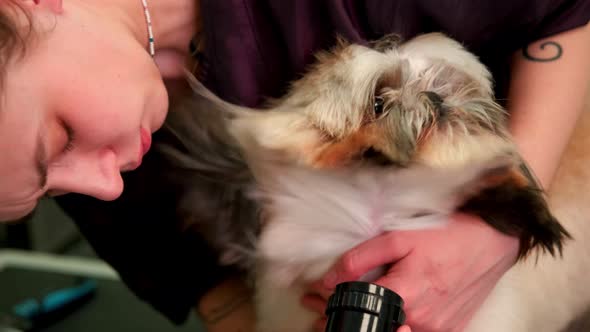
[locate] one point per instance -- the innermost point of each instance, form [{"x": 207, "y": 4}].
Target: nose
[
  {"x": 434, "y": 98},
  {"x": 96, "y": 174},
  {"x": 376, "y": 157},
  {"x": 436, "y": 101}
]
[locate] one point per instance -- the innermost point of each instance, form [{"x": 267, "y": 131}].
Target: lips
[{"x": 146, "y": 141}]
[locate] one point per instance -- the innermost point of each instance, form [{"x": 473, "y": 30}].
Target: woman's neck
[{"x": 174, "y": 23}]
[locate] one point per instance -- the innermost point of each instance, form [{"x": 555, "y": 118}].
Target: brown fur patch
[
  {"x": 387, "y": 42},
  {"x": 341, "y": 152},
  {"x": 497, "y": 177}
]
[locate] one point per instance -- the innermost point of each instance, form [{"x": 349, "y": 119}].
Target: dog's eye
[{"x": 379, "y": 107}]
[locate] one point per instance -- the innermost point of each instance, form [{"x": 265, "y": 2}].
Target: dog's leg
[{"x": 279, "y": 308}]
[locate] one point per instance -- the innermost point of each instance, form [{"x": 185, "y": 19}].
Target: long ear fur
[
  {"x": 202, "y": 94},
  {"x": 512, "y": 202},
  {"x": 209, "y": 164}
]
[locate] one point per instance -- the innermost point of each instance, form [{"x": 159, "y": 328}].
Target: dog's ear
[
  {"x": 210, "y": 175},
  {"x": 510, "y": 200},
  {"x": 427, "y": 50},
  {"x": 198, "y": 124},
  {"x": 202, "y": 95}
]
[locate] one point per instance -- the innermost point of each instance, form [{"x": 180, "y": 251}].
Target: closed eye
[{"x": 69, "y": 146}]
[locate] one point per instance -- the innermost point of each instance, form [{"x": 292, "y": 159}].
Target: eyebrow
[{"x": 41, "y": 161}]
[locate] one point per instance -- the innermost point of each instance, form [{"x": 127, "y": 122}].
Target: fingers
[
  {"x": 316, "y": 300},
  {"x": 404, "y": 328},
  {"x": 317, "y": 288},
  {"x": 412, "y": 288},
  {"x": 381, "y": 250},
  {"x": 314, "y": 303},
  {"x": 320, "y": 325}
]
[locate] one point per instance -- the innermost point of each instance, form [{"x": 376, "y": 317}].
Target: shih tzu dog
[{"x": 390, "y": 136}]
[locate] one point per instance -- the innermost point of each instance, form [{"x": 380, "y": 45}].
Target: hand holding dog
[{"x": 443, "y": 274}]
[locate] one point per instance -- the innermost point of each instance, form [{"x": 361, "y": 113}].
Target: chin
[
  {"x": 11, "y": 217},
  {"x": 389, "y": 136}
]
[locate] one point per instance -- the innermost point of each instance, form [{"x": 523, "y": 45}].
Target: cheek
[
  {"x": 110, "y": 102},
  {"x": 22, "y": 185},
  {"x": 100, "y": 118},
  {"x": 20, "y": 192},
  {"x": 14, "y": 213}
]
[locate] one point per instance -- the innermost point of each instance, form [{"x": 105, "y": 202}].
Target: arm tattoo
[{"x": 526, "y": 52}]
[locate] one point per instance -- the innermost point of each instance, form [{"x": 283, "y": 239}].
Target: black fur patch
[{"x": 521, "y": 211}]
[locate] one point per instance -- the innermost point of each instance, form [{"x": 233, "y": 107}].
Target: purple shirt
[{"x": 254, "y": 48}]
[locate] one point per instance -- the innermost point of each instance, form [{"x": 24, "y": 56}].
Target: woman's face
[{"x": 79, "y": 109}]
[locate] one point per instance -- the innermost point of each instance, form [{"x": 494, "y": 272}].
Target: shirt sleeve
[
  {"x": 560, "y": 16},
  {"x": 141, "y": 236}
]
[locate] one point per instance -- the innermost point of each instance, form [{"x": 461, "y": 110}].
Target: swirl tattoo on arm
[{"x": 559, "y": 51}]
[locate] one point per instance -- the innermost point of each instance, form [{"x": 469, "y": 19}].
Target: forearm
[
  {"x": 227, "y": 308},
  {"x": 546, "y": 97}
]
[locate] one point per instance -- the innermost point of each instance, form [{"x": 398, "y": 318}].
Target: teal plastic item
[{"x": 31, "y": 309}]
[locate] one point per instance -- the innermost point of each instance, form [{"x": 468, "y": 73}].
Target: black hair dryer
[{"x": 364, "y": 307}]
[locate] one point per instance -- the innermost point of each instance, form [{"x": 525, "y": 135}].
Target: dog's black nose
[
  {"x": 376, "y": 157},
  {"x": 434, "y": 98}
]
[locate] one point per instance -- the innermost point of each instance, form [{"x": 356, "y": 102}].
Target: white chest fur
[{"x": 313, "y": 217}]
